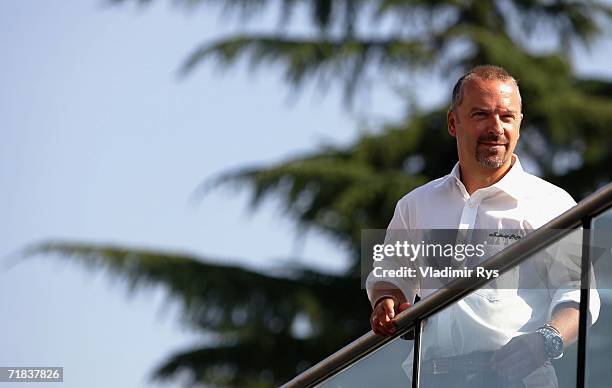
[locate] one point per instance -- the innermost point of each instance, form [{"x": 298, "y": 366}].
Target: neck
[{"x": 478, "y": 177}]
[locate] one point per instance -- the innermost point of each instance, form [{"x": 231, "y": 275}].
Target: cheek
[
  {"x": 478, "y": 128},
  {"x": 514, "y": 133},
  {"x": 463, "y": 137},
  {"x": 513, "y": 137}
]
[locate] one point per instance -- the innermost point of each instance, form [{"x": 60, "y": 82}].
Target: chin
[{"x": 491, "y": 162}]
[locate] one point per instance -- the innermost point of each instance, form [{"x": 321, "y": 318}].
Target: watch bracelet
[
  {"x": 551, "y": 327},
  {"x": 546, "y": 331}
]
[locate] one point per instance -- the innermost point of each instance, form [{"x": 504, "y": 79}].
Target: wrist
[
  {"x": 383, "y": 297},
  {"x": 551, "y": 327},
  {"x": 553, "y": 341}
]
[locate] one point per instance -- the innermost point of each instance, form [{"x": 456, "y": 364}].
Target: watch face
[
  {"x": 556, "y": 347},
  {"x": 553, "y": 343}
]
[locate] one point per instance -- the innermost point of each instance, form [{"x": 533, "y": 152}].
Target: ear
[{"x": 451, "y": 123}]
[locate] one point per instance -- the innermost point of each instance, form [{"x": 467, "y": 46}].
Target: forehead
[{"x": 491, "y": 94}]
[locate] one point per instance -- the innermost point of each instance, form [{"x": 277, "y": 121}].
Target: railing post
[
  {"x": 585, "y": 284},
  {"x": 416, "y": 352}
]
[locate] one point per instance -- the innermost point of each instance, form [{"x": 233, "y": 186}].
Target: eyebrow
[{"x": 480, "y": 109}]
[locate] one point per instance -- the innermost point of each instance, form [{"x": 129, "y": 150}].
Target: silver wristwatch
[{"x": 553, "y": 342}]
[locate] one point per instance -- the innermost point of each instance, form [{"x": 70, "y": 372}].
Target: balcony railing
[{"x": 592, "y": 218}]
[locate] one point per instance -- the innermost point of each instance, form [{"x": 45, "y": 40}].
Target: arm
[
  {"x": 387, "y": 301},
  {"x": 566, "y": 320},
  {"x": 390, "y": 296},
  {"x": 526, "y": 353}
]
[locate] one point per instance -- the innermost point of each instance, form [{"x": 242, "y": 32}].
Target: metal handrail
[{"x": 592, "y": 205}]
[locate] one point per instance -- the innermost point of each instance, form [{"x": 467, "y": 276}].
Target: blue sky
[{"x": 102, "y": 142}]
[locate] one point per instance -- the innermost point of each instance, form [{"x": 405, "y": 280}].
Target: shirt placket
[
  {"x": 466, "y": 226},
  {"x": 470, "y": 210}
]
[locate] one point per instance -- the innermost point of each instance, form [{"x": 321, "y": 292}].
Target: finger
[
  {"x": 386, "y": 315},
  {"x": 388, "y": 324},
  {"x": 506, "y": 350},
  {"x": 387, "y": 332},
  {"x": 400, "y": 308},
  {"x": 373, "y": 324},
  {"x": 403, "y": 307},
  {"x": 379, "y": 328},
  {"x": 383, "y": 330},
  {"x": 388, "y": 307},
  {"x": 376, "y": 327},
  {"x": 504, "y": 366},
  {"x": 377, "y": 331}
]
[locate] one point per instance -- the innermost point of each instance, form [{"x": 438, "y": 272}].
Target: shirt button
[{"x": 471, "y": 204}]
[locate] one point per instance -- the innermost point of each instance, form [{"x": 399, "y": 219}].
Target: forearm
[{"x": 566, "y": 319}]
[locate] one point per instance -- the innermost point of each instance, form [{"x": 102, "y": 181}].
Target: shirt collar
[{"x": 512, "y": 183}]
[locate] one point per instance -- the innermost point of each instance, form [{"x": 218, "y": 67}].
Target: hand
[
  {"x": 383, "y": 315},
  {"x": 520, "y": 357}
]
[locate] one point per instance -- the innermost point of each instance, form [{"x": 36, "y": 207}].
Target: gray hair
[{"x": 484, "y": 72}]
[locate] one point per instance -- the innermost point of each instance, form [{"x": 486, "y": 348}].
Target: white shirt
[{"x": 487, "y": 319}]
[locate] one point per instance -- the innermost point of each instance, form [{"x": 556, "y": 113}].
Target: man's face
[{"x": 486, "y": 123}]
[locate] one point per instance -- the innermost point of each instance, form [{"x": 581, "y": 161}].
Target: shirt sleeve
[
  {"x": 398, "y": 230},
  {"x": 564, "y": 272}
]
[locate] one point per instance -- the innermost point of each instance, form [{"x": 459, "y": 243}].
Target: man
[{"x": 487, "y": 189}]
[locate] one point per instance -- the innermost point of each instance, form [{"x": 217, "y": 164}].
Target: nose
[{"x": 496, "y": 126}]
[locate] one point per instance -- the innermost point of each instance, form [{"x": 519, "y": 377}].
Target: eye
[
  {"x": 479, "y": 114},
  {"x": 507, "y": 118}
]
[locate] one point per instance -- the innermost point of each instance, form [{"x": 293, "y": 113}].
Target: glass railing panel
[
  {"x": 489, "y": 339},
  {"x": 599, "y": 338},
  {"x": 385, "y": 367},
  {"x": 393, "y": 361}
]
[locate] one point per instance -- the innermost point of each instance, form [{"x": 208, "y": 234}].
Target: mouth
[{"x": 490, "y": 144}]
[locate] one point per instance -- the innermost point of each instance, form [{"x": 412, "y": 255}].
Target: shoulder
[
  {"x": 410, "y": 205},
  {"x": 543, "y": 201},
  {"x": 429, "y": 190},
  {"x": 542, "y": 191}
]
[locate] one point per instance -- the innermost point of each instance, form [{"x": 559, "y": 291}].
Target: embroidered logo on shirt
[
  {"x": 506, "y": 236},
  {"x": 497, "y": 238}
]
